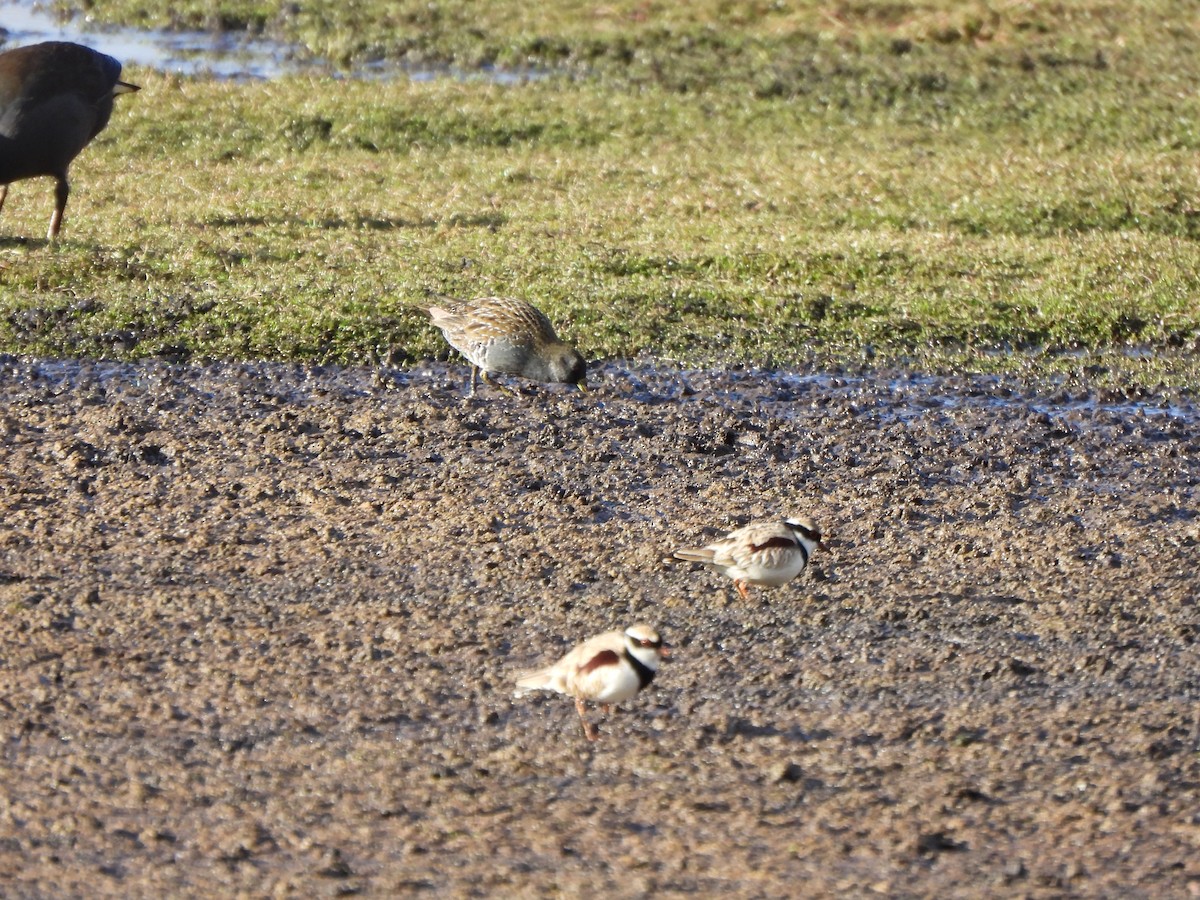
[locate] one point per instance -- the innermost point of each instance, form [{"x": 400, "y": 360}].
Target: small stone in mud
[
  {"x": 932, "y": 843},
  {"x": 1021, "y": 668},
  {"x": 1014, "y": 870},
  {"x": 335, "y": 866},
  {"x": 789, "y": 772}
]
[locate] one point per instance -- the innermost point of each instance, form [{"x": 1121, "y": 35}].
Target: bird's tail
[
  {"x": 698, "y": 554},
  {"x": 533, "y": 681},
  {"x": 433, "y": 299}
]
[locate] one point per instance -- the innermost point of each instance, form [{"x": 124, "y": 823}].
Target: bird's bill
[{"x": 664, "y": 651}]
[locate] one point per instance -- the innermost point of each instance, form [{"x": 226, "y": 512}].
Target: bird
[
  {"x": 771, "y": 552},
  {"x": 608, "y": 668},
  {"x": 54, "y": 98},
  {"x": 509, "y": 336}
]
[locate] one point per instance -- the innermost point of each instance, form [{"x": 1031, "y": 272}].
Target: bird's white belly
[
  {"x": 772, "y": 572},
  {"x": 616, "y": 686}
]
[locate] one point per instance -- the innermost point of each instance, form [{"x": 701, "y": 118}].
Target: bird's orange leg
[
  {"x": 589, "y": 730},
  {"x": 743, "y": 589}
]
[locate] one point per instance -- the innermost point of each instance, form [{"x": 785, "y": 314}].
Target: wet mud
[{"x": 260, "y": 625}]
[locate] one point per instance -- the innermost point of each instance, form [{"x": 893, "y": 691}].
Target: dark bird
[{"x": 54, "y": 98}]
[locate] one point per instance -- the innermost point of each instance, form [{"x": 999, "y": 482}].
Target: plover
[
  {"x": 769, "y": 553},
  {"x": 605, "y": 669}
]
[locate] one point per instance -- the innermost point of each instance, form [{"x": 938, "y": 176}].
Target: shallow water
[
  {"x": 890, "y": 396},
  {"x": 231, "y": 55},
  {"x": 225, "y": 54}
]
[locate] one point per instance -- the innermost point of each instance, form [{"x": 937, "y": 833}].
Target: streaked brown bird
[
  {"x": 54, "y": 98},
  {"x": 508, "y": 336}
]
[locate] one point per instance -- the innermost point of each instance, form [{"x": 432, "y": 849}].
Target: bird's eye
[{"x": 812, "y": 534}]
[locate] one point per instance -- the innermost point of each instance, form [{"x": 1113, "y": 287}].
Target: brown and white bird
[
  {"x": 508, "y": 336},
  {"x": 607, "y": 668},
  {"x": 54, "y": 98},
  {"x": 769, "y": 553}
]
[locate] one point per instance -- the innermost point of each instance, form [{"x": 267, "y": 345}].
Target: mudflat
[{"x": 261, "y": 622}]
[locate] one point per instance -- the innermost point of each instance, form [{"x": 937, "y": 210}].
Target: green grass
[
  {"x": 692, "y": 43},
  {"x": 897, "y": 181}
]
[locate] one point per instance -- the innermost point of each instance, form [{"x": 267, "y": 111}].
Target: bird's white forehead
[{"x": 642, "y": 633}]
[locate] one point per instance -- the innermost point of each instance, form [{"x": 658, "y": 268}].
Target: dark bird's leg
[
  {"x": 500, "y": 387},
  {"x": 62, "y": 190},
  {"x": 589, "y": 730},
  {"x": 3, "y": 194},
  {"x": 474, "y": 379}
]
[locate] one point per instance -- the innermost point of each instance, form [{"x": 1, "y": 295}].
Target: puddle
[
  {"x": 891, "y": 396},
  {"x": 883, "y": 396},
  {"x": 224, "y": 55},
  {"x": 230, "y": 55}
]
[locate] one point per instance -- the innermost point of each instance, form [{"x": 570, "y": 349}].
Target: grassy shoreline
[{"x": 900, "y": 197}]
